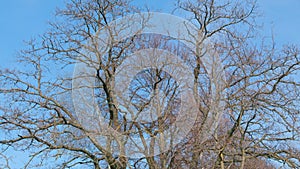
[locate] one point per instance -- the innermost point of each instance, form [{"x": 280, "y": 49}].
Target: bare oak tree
[{"x": 257, "y": 126}]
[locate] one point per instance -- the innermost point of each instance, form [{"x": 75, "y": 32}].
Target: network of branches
[{"x": 257, "y": 127}]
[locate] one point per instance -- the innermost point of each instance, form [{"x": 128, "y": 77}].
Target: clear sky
[{"x": 24, "y": 19}]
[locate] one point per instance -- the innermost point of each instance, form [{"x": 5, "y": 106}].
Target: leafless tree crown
[{"x": 256, "y": 127}]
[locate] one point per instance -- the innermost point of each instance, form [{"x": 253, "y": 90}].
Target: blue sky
[
  {"x": 24, "y": 19},
  {"x": 283, "y": 16}
]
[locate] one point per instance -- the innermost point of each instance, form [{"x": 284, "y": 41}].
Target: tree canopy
[{"x": 112, "y": 85}]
